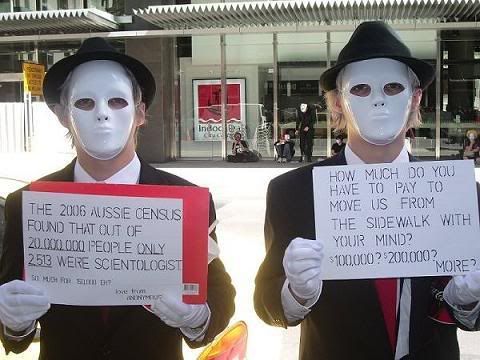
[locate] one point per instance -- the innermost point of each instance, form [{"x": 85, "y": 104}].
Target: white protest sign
[
  {"x": 397, "y": 220},
  {"x": 102, "y": 250}
]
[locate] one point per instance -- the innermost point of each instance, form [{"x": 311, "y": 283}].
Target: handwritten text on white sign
[{"x": 397, "y": 220}]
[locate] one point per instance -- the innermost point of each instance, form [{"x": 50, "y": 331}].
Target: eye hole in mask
[
  {"x": 117, "y": 103},
  {"x": 88, "y": 104},
  {"x": 391, "y": 89},
  {"x": 85, "y": 104},
  {"x": 364, "y": 90}
]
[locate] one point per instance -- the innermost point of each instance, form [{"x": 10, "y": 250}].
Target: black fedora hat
[
  {"x": 96, "y": 49},
  {"x": 375, "y": 39}
]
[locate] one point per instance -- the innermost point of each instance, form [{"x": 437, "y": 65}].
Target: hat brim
[
  {"x": 56, "y": 76},
  {"x": 424, "y": 71}
]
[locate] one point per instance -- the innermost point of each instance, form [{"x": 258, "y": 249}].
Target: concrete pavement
[{"x": 239, "y": 194}]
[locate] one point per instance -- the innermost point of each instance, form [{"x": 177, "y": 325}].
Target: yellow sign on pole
[{"x": 33, "y": 75}]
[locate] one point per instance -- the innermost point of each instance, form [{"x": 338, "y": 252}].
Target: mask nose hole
[
  {"x": 379, "y": 104},
  {"x": 102, "y": 117}
]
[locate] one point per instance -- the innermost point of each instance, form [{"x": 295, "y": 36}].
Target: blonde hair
[
  {"x": 472, "y": 131},
  {"x": 338, "y": 120}
]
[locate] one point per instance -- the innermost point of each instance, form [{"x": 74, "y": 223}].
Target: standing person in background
[
  {"x": 101, "y": 97},
  {"x": 305, "y": 130},
  {"x": 374, "y": 92}
]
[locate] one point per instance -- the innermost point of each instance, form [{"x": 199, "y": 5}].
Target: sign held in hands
[
  {"x": 98, "y": 244},
  {"x": 397, "y": 220}
]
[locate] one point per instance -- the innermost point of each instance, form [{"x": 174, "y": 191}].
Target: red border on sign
[{"x": 196, "y": 205}]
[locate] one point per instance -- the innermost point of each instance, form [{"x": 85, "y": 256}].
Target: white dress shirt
[{"x": 129, "y": 174}]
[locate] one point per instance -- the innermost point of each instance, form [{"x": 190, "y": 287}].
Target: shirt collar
[
  {"x": 129, "y": 174},
  {"x": 353, "y": 159}
]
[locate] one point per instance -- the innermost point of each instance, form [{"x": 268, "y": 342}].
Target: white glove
[
  {"x": 177, "y": 314},
  {"x": 463, "y": 289},
  {"x": 302, "y": 262},
  {"x": 21, "y": 304}
]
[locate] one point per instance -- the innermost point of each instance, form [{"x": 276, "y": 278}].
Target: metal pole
[
  {"x": 223, "y": 92},
  {"x": 438, "y": 95},
  {"x": 329, "y": 123},
  {"x": 176, "y": 144},
  {"x": 32, "y": 124},
  {"x": 27, "y": 114},
  {"x": 275, "y": 88}
]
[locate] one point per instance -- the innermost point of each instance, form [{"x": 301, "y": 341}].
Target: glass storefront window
[
  {"x": 249, "y": 73},
  {"x": 5, "y": 6},
  {"x": 115, "y": 7},
  {"x": 60, "y": 4},
  {"x": 422, "y": 44},
  {"x": 24, "y": 5},
  {"x": 301, "y": 61},
  {"x": 11, "y": 57},
  {"x": 460, "y": 93},
  {"x": 200, "y": 98}
]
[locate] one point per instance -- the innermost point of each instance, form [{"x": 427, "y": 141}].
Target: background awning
[
  {"x": 307, "y": 12},
  {"x": 56, "y": 22}
]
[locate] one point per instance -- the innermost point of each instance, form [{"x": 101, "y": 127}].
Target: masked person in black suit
[
  {"x": 373, "y": 92},
  {"x": 101, "y": 97},
  {"x": 306, "y": 131}
]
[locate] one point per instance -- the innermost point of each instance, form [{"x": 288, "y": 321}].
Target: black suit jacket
[
  {"x": 347, "y": 321},
  {"x": 78, "y": 332},
  {"x": 305, "y": 119}
]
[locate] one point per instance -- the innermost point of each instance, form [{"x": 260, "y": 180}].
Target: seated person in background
[
  {"x": 285, "y": 149},
  {"x": 240, "y": 150},
  {"x": 338, "y": 146},
  {"x": 471, "y": 148}
]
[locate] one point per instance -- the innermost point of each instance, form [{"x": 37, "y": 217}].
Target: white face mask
[
  {"x": 102, "y": 108},
  {"x": 303, "y": 107},
  {"x": 471, "y": 137},
  {"x": 377, "y": 97},
  {"x": 338, "y": 141}
]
